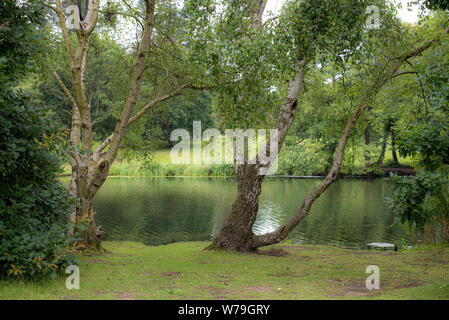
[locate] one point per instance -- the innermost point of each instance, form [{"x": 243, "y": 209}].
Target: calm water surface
[{"x": 164, "y": 210}]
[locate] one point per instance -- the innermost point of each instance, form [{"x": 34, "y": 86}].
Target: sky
[{"x": 404, "y": 14}]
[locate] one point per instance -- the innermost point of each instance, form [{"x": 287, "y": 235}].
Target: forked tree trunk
[{"x": 236, "y": 233}]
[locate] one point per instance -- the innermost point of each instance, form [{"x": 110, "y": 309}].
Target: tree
[
  {"x": 90, "y": 167},
  {"x": 421, "y": 201},
  {"x": 312, "y": 34}
]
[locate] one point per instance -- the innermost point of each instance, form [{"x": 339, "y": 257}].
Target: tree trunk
[
  {"x": 90, "y": 167},
  {"x": 384, "y": 144},
  {"x": 85, "y": 216},
  {"x": 236, "y": 233},
  {"x": 367, "y": 136},
  {"x": 393, "y": 148}
]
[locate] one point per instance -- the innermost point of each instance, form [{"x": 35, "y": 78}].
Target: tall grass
[{"x": 156, "y": 169}]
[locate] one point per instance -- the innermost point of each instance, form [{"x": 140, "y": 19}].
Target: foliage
[
  {"x": 303, "y": 157},
  {"x": 437, "y": 4},
  {"x": 34, "y": 205},
  {"x": 18, "y": 38},
  {"x": 422, "y": 201},
  {"x": 178, "y": 113},
  {"x": 156, "y": 169}
]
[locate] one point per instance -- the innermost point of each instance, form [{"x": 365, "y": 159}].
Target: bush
[
  {"x": 34, "y": 206},
  {"x": 421, "y": 202}
]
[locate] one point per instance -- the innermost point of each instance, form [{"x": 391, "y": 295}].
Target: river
[{"x": 164, "y": 210}]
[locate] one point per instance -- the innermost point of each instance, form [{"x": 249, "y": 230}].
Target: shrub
[
  {"x": 421, "y": 202},
  {"x": 34, "y": 206}
]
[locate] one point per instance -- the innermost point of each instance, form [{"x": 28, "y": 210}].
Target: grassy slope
[{"x": 182, "y": 271}]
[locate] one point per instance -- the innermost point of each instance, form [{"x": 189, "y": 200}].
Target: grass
[
  {"x": 183, "y": 271},
  {"x": 162, "y": 167}
]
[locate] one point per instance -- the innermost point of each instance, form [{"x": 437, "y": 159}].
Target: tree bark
[
  {"x": 393, "y": 147},
  {"x": 384, "y": 143},
  {"x": 236, "y": 233},
  {"x": 367, "y": 136}
]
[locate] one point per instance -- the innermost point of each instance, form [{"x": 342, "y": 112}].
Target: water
[{"x": 163, "y": 210}]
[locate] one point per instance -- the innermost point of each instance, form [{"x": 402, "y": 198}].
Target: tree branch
[
  {"x": 150, "y": 105},
  {"x": 402, "y": 73},
  {"x": 64, "y": 88},
  {"x": 65, "y": 33}
]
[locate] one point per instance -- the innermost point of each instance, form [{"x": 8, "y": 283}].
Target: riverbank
[
  {"x": 131, "y": 270},
  {"x": 134, "y": 169},
  {"x": 161, "y": 166}
]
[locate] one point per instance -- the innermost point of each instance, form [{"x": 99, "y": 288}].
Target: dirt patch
[
  {"x": 218, "y": 293},
  {"x": 303, "y": 258},
  {"x": 96, "y": 261},
  {"x": 279, "y": 252},
  {"x": 283, "y": 274},
  {"x": 378, "y": 253},
  {"x": 358, "y": 288},
  {"x": 125, "y": 296},
  {"x": 264, "y": 289},
  {"x": 410, "y": 284},
  {"x": 287, "y": 272},
  {"x": 435, "y": 260},
  {"x": 172, "y": 274}
]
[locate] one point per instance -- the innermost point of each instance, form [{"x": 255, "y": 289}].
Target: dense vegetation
[
  {"x": 422, "y": 201},
  {"x": 34, "y": 205}
]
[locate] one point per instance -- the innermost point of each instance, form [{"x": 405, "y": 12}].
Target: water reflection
[{"x": 164, "y": 210}]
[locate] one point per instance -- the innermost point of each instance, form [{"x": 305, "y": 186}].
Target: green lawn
[
  {"x": 183, "y": 271},
  {"x": 162, "y": 156}
]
